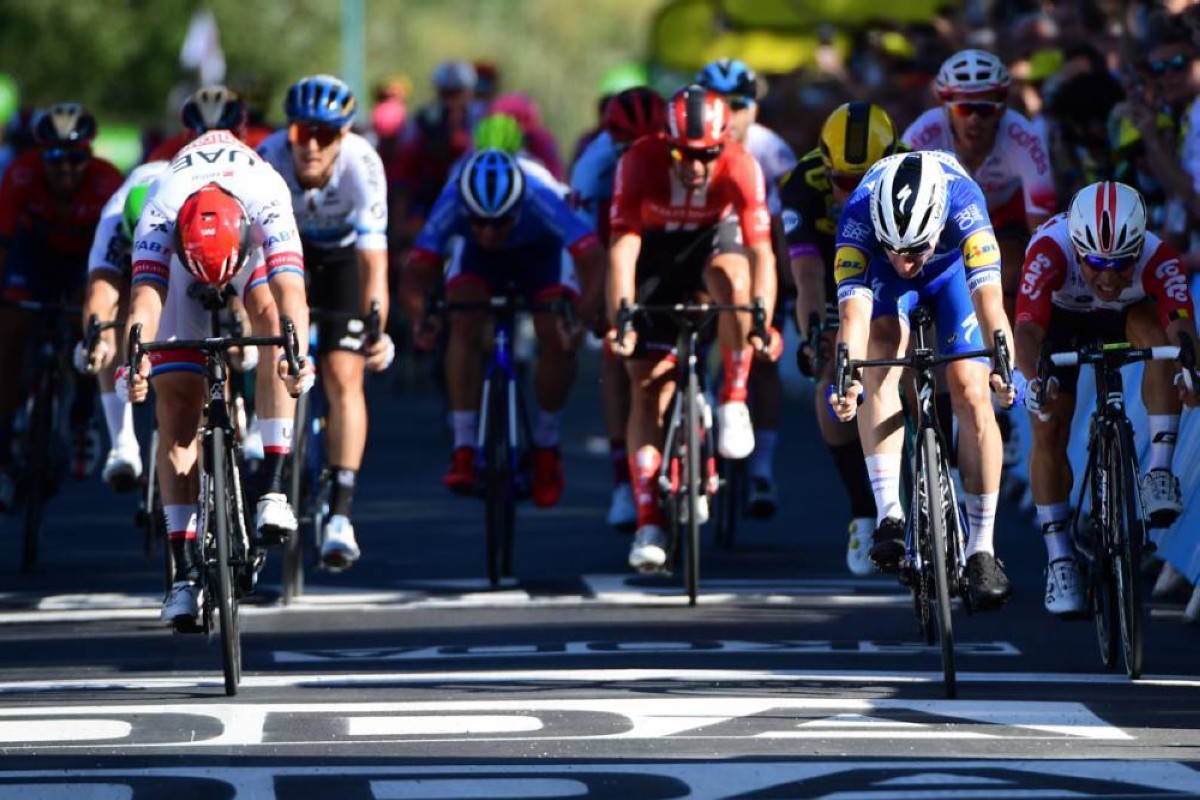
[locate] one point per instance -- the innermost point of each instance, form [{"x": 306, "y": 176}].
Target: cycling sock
[
  {"x": 341, "y": 495},
  {"x": 981, "y": 517},
  {"x": 466, "y": 428},
  {"x": 181, "y": 536},
  {"x": 884, "y": 471},
  {"x": 644, "y": 466},
  {"x": 737, "y": 374},
  {"x": 546, "y": 432},
  {"x": 763, "y": 458},
  {"x": 848, "y": 458},
  {"x": 273, "y": 470},
  {"x": 118, "y": 416},
  {"x": 1054, "y": 520},
  {"x": 276, "y": 435},
  {"x": 620, "y": 461},
  {"x": 1164, "y": 431}
]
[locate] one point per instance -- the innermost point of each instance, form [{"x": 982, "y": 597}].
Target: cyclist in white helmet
[{"x": 915, "y": 231}]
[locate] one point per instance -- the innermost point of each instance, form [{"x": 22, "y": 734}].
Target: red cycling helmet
[
  {"x": 212, "y": 235},
  {"x": 634, "y": 113},
  {"x": 697, "y": 119}
]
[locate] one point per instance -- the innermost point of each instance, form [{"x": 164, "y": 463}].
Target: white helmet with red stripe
[
  {"x": 1108, "y": 220},
  {"x": 971, "y": 72}
]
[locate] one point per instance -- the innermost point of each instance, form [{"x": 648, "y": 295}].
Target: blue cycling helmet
[
  {"x": 729, "y": 76},
  {"x": 322, "y": 99},
  {"x": 491, "y": 184}
]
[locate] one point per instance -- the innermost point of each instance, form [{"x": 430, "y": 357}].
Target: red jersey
[
  {"x": 167, "y": 150},
  {"x": 647, "y": 194},
  {"x": 1051, "y": 278},
  {"x": 26, "y": 204}
]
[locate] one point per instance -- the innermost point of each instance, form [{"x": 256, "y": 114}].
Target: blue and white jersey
[
  {"x": 349, "y": 210},
  {"x": 774, "y": 156},
  {"x": 541, "y": 214},
  {"x": 967, "y": 238},
  {"x": 592, "y": 179}
]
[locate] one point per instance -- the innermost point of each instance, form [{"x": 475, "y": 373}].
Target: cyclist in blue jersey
[
  {"x": 917, "y": 231},
  {"x": 499, "y": 230}
]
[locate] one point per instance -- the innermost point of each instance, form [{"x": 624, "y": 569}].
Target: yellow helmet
[{"x": 855, "y": 136}]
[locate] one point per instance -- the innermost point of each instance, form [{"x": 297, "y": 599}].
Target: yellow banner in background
[{"x": 808, "y": 14}]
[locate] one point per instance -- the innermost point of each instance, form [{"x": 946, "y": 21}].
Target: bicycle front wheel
[
  {"x": 1128, "y": 534},
  {"x": 693, "y": 490},
  {"x": 498, "y": 483},
  {"x": 933, "y": 478},
  {"x": 37, "y": 472},
  {"x": 298, "y": 495},
  {"x": 227, "y": 604}
]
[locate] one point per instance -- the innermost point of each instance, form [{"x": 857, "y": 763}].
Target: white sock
[
  {"x": 884, "y": 471},
  {"x": 118, "y": 416},
  {"x": 981, "y": 516},
  {"x": 181, "y": 520},
  {"x": 763, "y": 458},
  {"x": 1164, "y": 430},
  {"x": 1055, "y": 521},
  {"x": 466, "y": 428},
  {"x": 276, "y": 434},
  {"x": 547, "y": 431}
]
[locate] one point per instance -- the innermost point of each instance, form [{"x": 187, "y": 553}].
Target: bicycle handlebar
[
  {"x": 1117, "y": 354},
  {"x": 95, "y": 327},
  {"x": 372, "y": 322},
  {"x": 218, "y": 344},
  {"x": 846, "y": 368},
  {"x": 677, "y": 311}
]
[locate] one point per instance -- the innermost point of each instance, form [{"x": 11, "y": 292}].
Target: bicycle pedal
[{"x": 187, "y": 625}]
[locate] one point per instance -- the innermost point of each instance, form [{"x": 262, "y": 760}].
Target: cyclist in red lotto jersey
[
  {"x": 50, "y": 202},
  {"x": 689, "y": 215}
]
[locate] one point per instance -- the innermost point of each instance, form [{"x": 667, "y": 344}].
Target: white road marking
[
  {"x": 25, "y": 731},
  {"x": 440, "y": 725}
]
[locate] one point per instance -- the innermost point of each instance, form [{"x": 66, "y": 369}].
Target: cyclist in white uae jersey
[
  {"x": 230, "y": 213},
  {"x": 108, "y": 289},
  {"x": 339, "y": 196}
]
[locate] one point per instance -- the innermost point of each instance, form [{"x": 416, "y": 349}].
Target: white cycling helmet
[
  {"x": 971, "y": 72},
  {"x": 908, "y": 202},
  {"x": 1107, "y": 220}
]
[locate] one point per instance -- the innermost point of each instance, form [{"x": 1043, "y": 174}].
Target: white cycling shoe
[
  {"x": 858, "y": 547},
  {"x": 339, "y": 550},
  {"x": 735, "y": 430},
  {"x": 649, "y": 550},
  {"x": 622, "y": 511},
  {"x": 182, "y": 603},
  {"x": 275, "y": 519},
  {"x": 123, "y": 467},
  {"x": 1161, "y": 497},
  {"x": 1064, "y": 587}
]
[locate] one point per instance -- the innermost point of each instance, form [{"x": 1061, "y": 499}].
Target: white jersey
[
  {"x": 1018, "y": 161},
  {"x": 110, "y": 250},
  {"x": 774, "y": 156},
  {"x": 218, "y": 157},
  {"x": 351, "y": 209}
]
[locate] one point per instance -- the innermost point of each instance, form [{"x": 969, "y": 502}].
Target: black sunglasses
[
  {"x": 495, "y": 223},
  {"x": 910, "y": 252},
  {"x": 62, "y": 155},
  {"x": 740, "y": 103},
  {"x": 1176, "y": 63}
]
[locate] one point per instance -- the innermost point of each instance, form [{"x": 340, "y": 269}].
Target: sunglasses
[
  {"x": 910, "y": 252},
  {"x": 1176, "y": 63},
  {"x": 740, "y": 103},
  {"x": 303, "y": 132},
  {"x": 1110, "y": 264},
  {"x": 981, "y": 109},
  {"x": 492, "y": 223},
  {"x": 62, "y": 155},
  {"x": 703, "y": 154},
  {"x": 847, "y": 183}
]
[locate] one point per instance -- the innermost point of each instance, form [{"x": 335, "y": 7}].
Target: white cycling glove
[
  {"x": 249, "y": 359},
  {"x": 389, "y": 350},
  {"x": 80, "y": 359},
  {"x": 122, "y": 387},
  {"x": 1184, "y": 378},
  {"x": 1032, "y": 390}
]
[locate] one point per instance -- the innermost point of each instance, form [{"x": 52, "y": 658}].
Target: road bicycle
[
  {"x": 688, "y": 477},
  {"x": 310, "y": 480},
  {"x": 504, "y": 440},
  {"x": 229, "y": 558},
  {"x": 935, "y": 561},
  {"x": 1110, "y": 548}
]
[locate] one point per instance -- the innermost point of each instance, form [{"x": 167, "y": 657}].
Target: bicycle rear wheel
[
  {"x": 498, "y": 482},
  {"x": 733, "y": 483},
  {"x": 37, "y": 471},
  {"x": 227, "y": 604},
  {"x": 692, "y": 489},
  {"x": 1128, "y": 534},
  {"x": 299, "y": 496},
  {"x": 937, "y": 552}
]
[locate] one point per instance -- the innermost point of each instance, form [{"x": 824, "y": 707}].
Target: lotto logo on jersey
[
  {"x": 980, "y": 250},
  {"x": 1173, "y": 282},
  {"x": 849, "y": 263}
]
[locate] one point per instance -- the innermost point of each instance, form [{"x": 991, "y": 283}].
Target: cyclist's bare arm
[
  {"x": 103, "y": 301},
  {"x": 591, "y": 266},
  {"x": 373, "y": 281},
  {"x": 808, "y": 271},
  {"x": 1028, "y": 339},
  {"x": 766, "y": 279}
]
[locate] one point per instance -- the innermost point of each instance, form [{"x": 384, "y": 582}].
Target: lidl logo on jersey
[
  {"x": 849, "y": 263},
  {"x": 981, "y": 250}
]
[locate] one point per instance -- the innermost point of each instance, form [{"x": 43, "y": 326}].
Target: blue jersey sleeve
[
  {"x": 855, "y": 245},
  {"x": 969, "y": 230},
  {"x": 592, "y": 178},
  {"x": 445, "y": 220},
  {"x": 545, "y": 210}
]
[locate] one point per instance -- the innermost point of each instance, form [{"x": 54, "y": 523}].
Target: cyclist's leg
[
  {"x": 467, "y": 281},
  {"x": 107, "y": 289},
  {"x": 652, "y": 384},
  {"x": 727, "y": 278},
  {"x": 1161, "y": 493},
  {"x": 614, "y": 397}
]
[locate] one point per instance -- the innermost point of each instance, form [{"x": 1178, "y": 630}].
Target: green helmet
[
  {"x": 621, "y": 77},
  {"x": 499, "y": 132},
  {"x": 134, "y": 201}
]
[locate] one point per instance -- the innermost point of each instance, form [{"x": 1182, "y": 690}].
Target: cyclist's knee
[
  {"x": 179, "y": 399},
  {"x": 727, "y": 278},
  {"x": 343, "y": 373}
]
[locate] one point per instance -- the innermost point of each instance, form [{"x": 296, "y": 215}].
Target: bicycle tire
[
  {"x": 227, "y": 604},
  {"x": 1100, "y": 582},
  {"x": 692, "y": 490},
  {"x": 732, "y": 488},
  {"x": 298, "y": 495},
  {"x": 1127, "y": 555},
  {"x": 497, "y": 481},
  {"x": 519, "y": 479},
  {"x": 938, "y": 562},
  {"x": 38, "y": 470}
]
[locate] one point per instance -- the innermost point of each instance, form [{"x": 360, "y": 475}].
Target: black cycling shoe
[
  {"x": 887, "y": 548},
  {"x": 989, "y": 585}
]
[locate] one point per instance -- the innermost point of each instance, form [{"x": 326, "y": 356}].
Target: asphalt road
[{"x": 409, "y": 677}]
